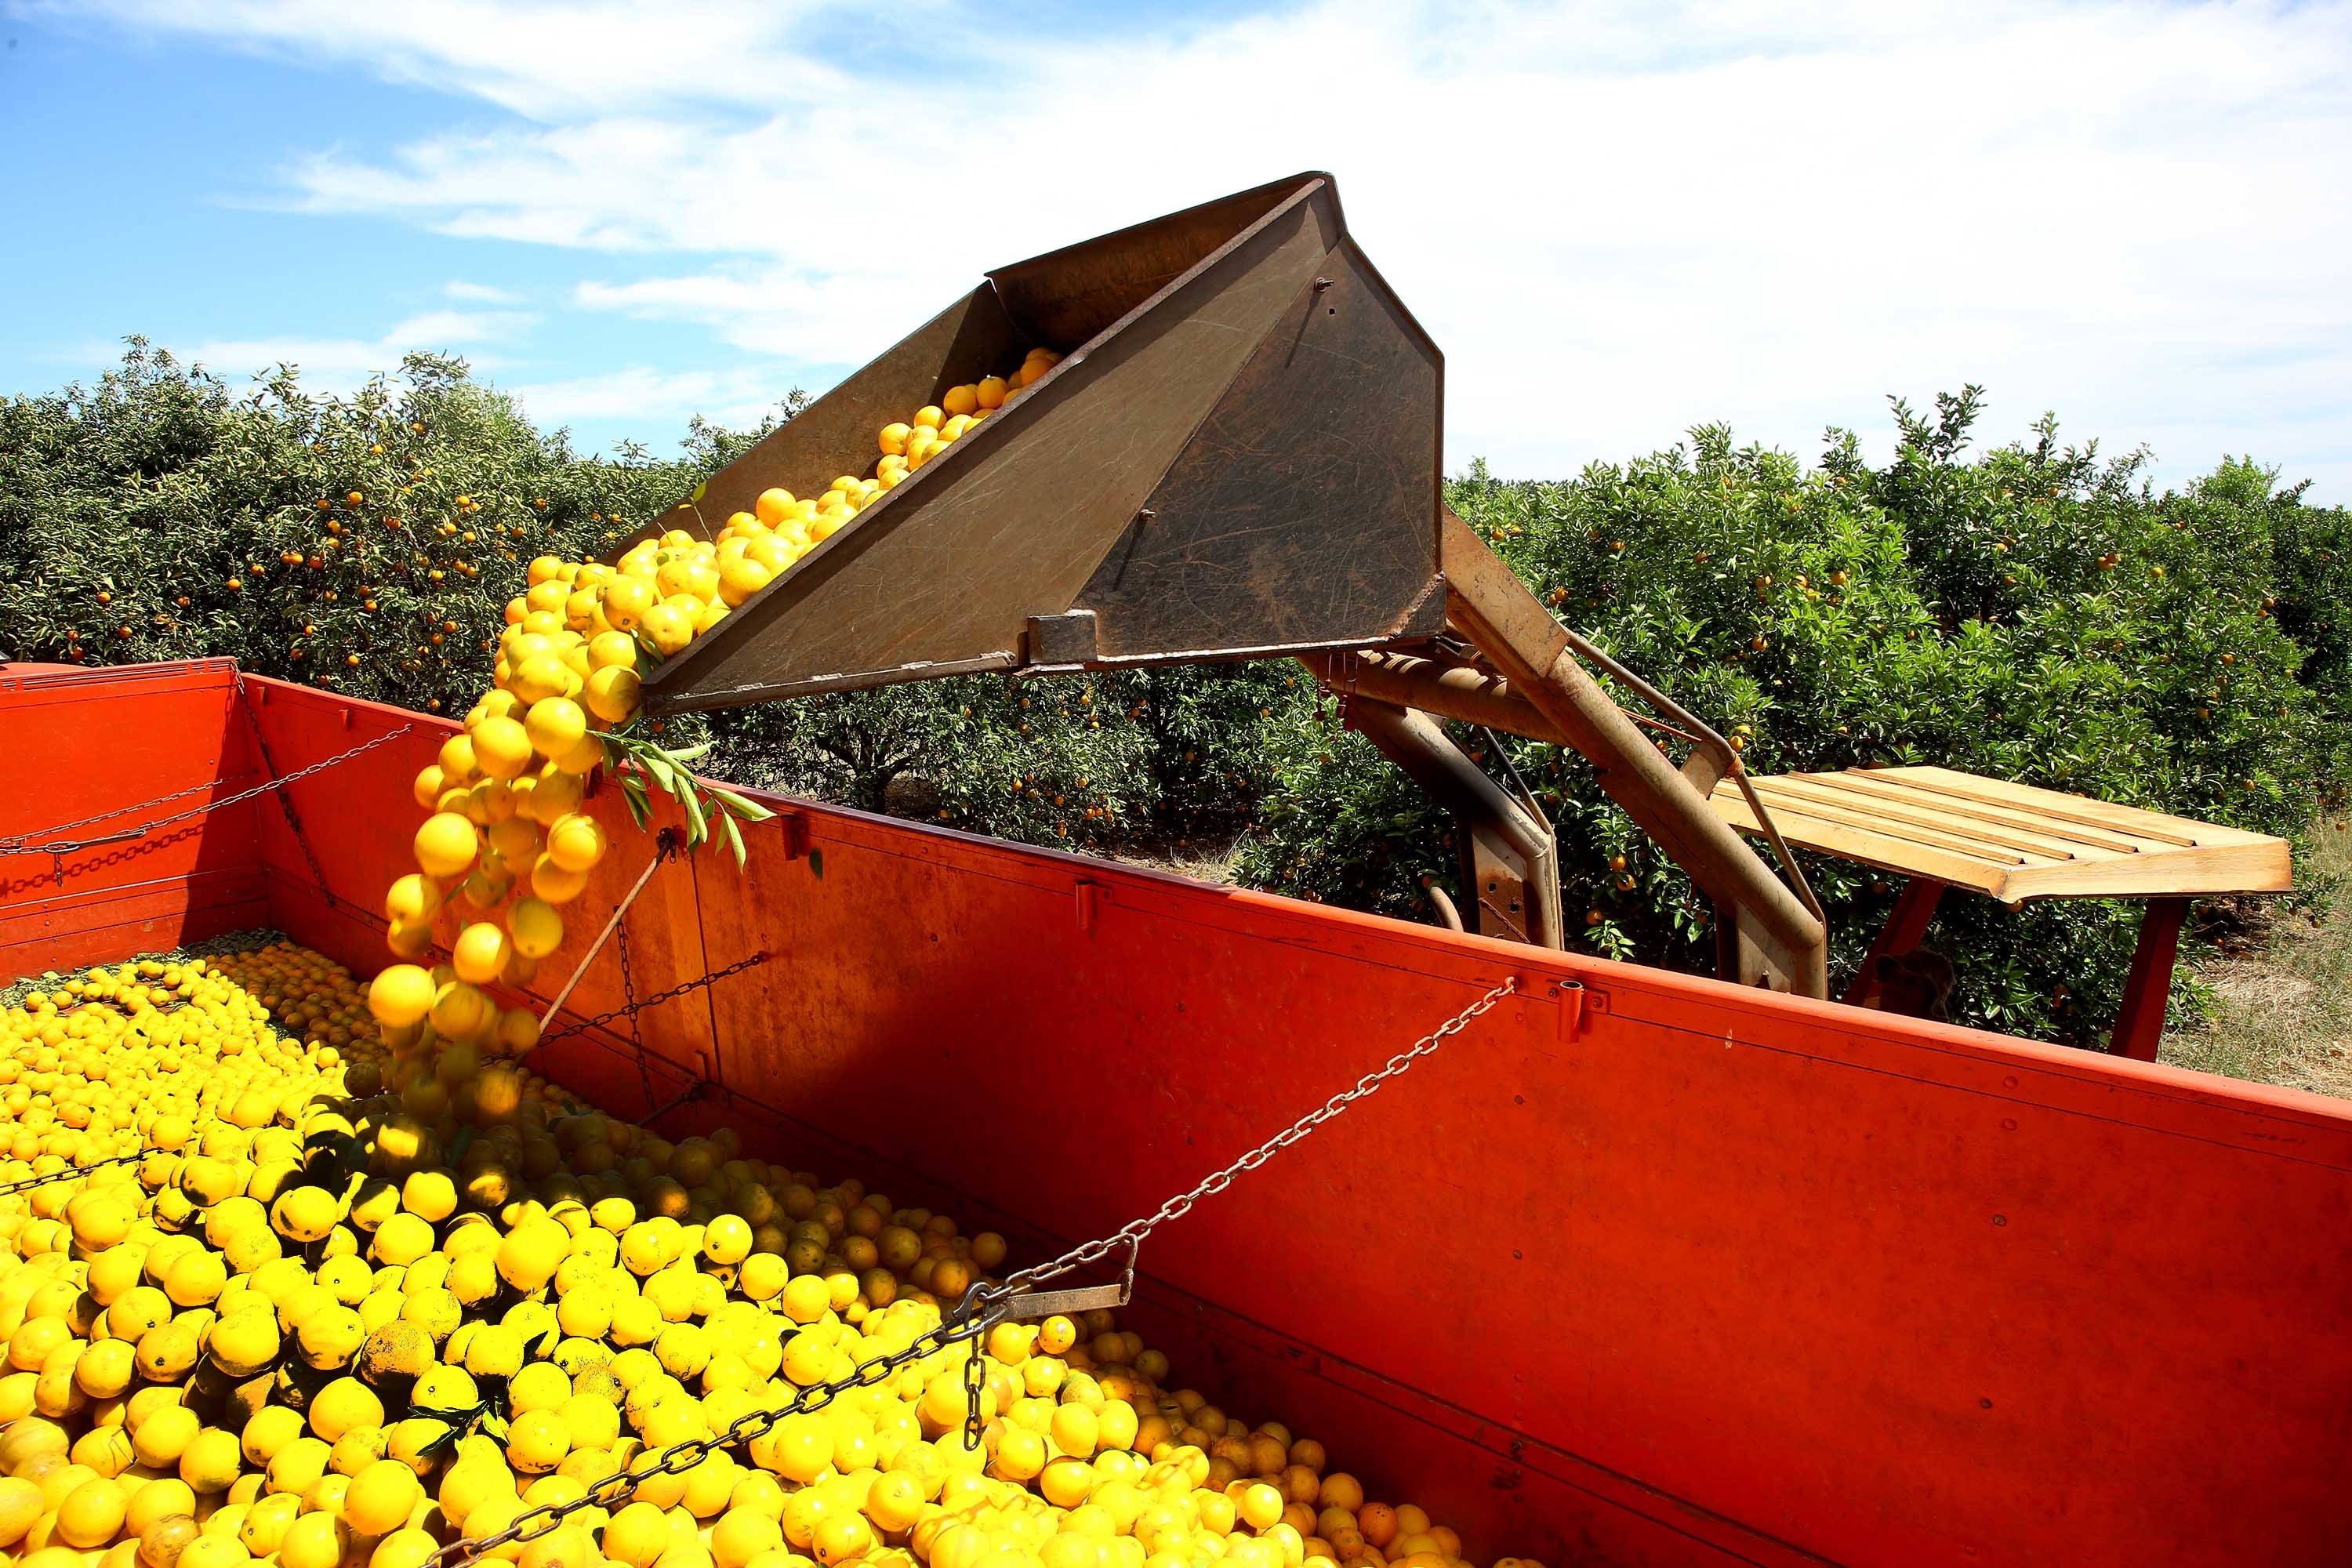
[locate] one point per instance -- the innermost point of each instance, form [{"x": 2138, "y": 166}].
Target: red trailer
[{"x": 1637, "y": 1269}]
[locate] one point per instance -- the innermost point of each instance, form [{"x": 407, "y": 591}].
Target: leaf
[
  {"x": 697, "y": 828},
  {"x": 634, "y": 793},
  {"x": 701, "y": 490},
  {"x": 748, "y": 810},
  {"x": 734, "y": 839}
]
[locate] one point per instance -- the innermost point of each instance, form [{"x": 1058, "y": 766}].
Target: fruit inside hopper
[{"x": 1236, "y": 456}]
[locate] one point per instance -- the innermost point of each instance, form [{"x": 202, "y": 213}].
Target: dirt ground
[{"x": 2283, "y": 1012}]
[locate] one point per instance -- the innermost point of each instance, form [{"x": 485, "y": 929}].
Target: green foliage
[
  {"x": 2035, "y": 612},
  {"x": 366, "y": 543},
  {"x": 1068, "y": 762},
  {"x": 1058, "y": 762}
]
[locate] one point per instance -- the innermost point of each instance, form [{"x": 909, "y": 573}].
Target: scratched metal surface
[
  {"x": 1304, "y": 510},
  {"x": 1016, "y": 519}
]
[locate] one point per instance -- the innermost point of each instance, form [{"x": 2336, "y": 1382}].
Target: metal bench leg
[
  {"x": 2140, "y": 1024},
  {"x": 1914, "y": 908}
]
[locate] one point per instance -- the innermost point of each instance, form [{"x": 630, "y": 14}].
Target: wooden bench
[{"x": 1939, "y": 829}]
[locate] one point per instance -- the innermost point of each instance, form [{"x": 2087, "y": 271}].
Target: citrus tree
[
  {"x": 2035, "y": 612},
  {"x": 366, "y": 543}
]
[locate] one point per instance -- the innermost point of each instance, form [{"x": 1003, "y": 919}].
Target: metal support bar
[
  {"x": 661, "y": 853},
  {"x": 1510, "y": 859},
  {"x": 1459, "y": 690},
  {"x": 692, "y": 1091},
  {"x": 1027, "y": 1302},
  {"x": 1533, "y": 651},
  {"x": 2139, "y": 1026},
  {"x": 1449, "y": 688},
  {"x": 1905, "y": 928}
]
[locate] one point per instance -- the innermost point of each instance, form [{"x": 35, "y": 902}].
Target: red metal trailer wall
[
  {"x": 1717, "y": 1277},
  {"x": 74, "y": 742}
]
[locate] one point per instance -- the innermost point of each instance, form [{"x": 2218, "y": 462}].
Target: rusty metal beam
[
  {"x": 1450, "y": 688},
  {"x": 1467, "y": 692},
  {"x": 1510, "y": 861},
  {"x": 1489, "y": 604}
]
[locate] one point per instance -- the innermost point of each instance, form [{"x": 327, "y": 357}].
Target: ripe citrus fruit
[
  {"x": 446, "y": 845},
  {"x": 576, "y": 843},
  {"x": 537, "y": 928},
  {"x": 480, "y": 952}
]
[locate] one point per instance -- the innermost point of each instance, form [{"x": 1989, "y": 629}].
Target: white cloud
[
  {"x": 453, "y": 329},
  {"x": 478, "y": 293},
  {"x": 1617, "y": 220},
  {"x": 330, "y": 363},
  {"x": 551, "y": 60},
  {"x": 736, "y": 397}
]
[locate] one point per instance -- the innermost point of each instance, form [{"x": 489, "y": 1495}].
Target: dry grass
[
  {"x": 1203, "y": 857},
  {"x": 2282, "y": 1013}
]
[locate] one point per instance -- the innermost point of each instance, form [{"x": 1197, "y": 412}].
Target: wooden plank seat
[{"x": 1941, "y": 828}]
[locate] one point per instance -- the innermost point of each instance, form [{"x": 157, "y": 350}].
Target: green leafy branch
[{"x": 639, "y": 766}]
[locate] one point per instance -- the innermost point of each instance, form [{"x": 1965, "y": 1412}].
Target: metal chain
[
  {"x": 630, "y": 1004},
  {"x": 17, "y": 845},
  {"x": 69, "y": 1173},
  {"x": 1131, "y": 1236},
  {"x": 285, "y": 796},
  {"x": 975, "y": 1378},
  {"x": 972, "y": 1317},
  {"x": 16, "y": 840},
  {"x": 984, "y": 1305},
  {"x": 633, "y": 1008}
]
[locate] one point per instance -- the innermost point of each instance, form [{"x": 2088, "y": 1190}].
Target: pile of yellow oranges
[
  {"x": 506, "y": 837},
  {"x": 326, "y": 1277},
  {"x": 317, "y": 1322}
]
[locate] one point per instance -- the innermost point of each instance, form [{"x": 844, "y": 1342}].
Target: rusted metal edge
[
  {"x": 873, "y": 521},
  {"x": 1003, "y": 663},
  {"x": 1304, "y": 186},
  {"x": 736, "y": 696}
]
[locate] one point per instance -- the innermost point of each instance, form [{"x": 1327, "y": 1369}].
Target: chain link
[
  {"x": 984, "y": 1305},
  {"x": 631, "y": 1009},
  {"x": 972, "y": 1317},
  {"x": 17, "y": 845},
  {"x": 69, "y": 1173},
  {"x": 285, "y": 796},
  {"x": 1131, "y": 1236},
  {"x": 975, "y": 1379},
  {"x": 629, "y": 1004}
]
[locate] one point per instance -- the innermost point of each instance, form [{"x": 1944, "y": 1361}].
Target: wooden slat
[
  {"x": 1904, "y": 858},
  {"x": 1868, "y": 810},
  {"x": 2174, "y": 830},
  {"x": 2257, "y": 867},
  {"x": 1865, "y": 782},
  {"x": 1991, "y": 855},
  {"x": 2009, "y": 841}
]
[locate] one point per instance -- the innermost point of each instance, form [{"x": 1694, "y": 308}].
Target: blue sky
[{"x": 1617, "y": 219}]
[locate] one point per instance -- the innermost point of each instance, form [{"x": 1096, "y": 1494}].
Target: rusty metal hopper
[{"x": 1238, "y": 455}]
